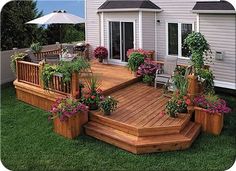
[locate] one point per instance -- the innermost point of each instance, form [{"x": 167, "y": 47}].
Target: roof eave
[
  {"x": 214, "y": 11},
  {"x": 129, "y": 10}
]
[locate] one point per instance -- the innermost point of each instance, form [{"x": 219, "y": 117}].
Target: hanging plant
[
  {"x": 14, "y": 58},
  {"x": 199, "y": 47},
  {"x": 65, "y": 69}
]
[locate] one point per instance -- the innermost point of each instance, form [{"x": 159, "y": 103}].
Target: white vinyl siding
[
  {"x": 148, "y": 30},
  {"x": 219, "y": 30},
  {"x": 93, "y": 23},
  {"x": 174, "y": 11}
]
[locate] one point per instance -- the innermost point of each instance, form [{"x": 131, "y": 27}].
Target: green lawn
[{"x": 28, "y": 143}]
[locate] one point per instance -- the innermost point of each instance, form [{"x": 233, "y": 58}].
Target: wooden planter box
[
  {"x": 72, "y": 127},
  {"x": 211, "y": 122}
]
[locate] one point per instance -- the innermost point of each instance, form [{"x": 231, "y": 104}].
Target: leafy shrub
[
  {"x": 148, "y": 79},
  {"x": 36, "y": 47},
  {"x": 135, "y": 60}
]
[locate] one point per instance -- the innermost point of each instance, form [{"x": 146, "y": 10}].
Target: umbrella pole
[{"x": 60, "y": 36}]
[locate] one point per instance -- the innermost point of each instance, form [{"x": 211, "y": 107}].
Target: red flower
[
  {"x": 188, "y": 101},
  {"x": 93, "y": 97},
  {"x": 185, "y": 97}
]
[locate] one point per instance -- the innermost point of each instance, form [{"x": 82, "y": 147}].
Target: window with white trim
[{"x": 177, "y": 32}]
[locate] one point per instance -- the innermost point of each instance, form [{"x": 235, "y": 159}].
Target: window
[
  {"x": 173, "y": 38},
  {"x": 177, "y": 32},
  {"x": 186, "y": 29}
]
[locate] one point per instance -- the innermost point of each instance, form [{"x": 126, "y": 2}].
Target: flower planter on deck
[
  {"x": 210, "y": 122},
  {"x": 72, "y": 127}
]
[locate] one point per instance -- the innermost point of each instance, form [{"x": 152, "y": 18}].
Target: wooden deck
[
  {"x": 137, "y": 125},
  {"x": 113, "y": 77}
]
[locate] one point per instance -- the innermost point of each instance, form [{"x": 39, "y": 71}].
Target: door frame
[{"x": 115, "y": 61}]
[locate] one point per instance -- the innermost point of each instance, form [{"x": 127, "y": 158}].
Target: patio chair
[
  {"x": 163, "y": 75},
  {"x": 52, "y": 58}
]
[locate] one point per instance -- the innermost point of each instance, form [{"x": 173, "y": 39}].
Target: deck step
[
  {"x": 138, "y": 145},
  {"x": 137, "y": 131}
]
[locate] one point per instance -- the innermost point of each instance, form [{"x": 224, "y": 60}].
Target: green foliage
[
  {"x": 148, "y": 79},
  {"x": 73, "y": 35},
  {"x": 208, "y": 80},
  {"x": 36, "y": 47},
  {"x": 198, "y": 46},
  {"x": 108, "y": 105},
  {"x": 14, "y": 58},
  {"x": 65, "y": 33},
  {"x": 180, "y": 80},
  {"x": 135, "y": 60},
  {"x": 14, "y": 31},
  {"x": 64, "y": 68},
  {"x": 172, "y": 107}
]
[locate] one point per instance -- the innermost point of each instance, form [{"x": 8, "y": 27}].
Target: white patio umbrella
[{"x": 58, "y": 17}]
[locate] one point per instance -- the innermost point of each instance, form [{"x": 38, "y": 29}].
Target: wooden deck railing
[
  {"x": 41, "y": 55},
  {"x": 28, "y": 72},
  {"x": 57, "y": 85}
]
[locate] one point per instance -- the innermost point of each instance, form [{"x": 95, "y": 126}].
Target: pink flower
[
  {"x": 162, "y": 113},
  {"x": 93, "y": 97},
  {"x": 188, "y": 101}
]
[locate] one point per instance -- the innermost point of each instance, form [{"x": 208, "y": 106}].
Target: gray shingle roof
[
  {"x": 116, "y": 4},
  {"x": 213, "y": 5}
]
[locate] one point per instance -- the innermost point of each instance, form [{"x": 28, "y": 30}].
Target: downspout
[{"x": 140, "y": 29}]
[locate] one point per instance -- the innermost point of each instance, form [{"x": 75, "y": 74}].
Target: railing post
[
  {"x": 193, "y": 87},
  {"x": 41, "y": 65},
  {"x": 17, "y": 72},
  {"x": 74, "y": 84}
]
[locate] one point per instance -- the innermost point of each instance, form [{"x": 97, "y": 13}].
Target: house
[{"x": 162, "y": 25}]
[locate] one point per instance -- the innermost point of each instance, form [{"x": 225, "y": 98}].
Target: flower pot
[
  {"x": 107, "y": 112},
  {"x": 100, "y": 60},
  {"x": 93, "y": 106},
  {"x": 210, "y": 122},
  {"x": 72, "y": 127}
]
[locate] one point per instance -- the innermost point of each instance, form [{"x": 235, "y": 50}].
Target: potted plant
[
  {"x": 177, "y": 104},
  {"x": 100, "y": 53},
  {"x": 148, "y": 70},
  {"x": 135, "y": 60},
  {"x": 92, "y": 94},
  {"x": 68, "y": 116},
  {"x": 209, "y": 112},
  {"x": 36, "y": 47},
  {"x": 200, "y": 50},
  {"x": 108, "y": 105}
]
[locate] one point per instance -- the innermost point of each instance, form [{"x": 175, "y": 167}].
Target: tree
[{"x": 14, "y": 31}]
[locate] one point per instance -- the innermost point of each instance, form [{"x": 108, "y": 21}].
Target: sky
[{"x": 75, "y": 7}]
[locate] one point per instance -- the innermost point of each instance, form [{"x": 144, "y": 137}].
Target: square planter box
[
  {"x": 72, "y": 127},
  {"x": 210, "y": 122}
]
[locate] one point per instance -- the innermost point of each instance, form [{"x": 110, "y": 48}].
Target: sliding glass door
[{"x": 121, "y": 38}]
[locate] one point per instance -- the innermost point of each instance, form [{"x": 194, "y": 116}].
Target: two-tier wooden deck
[{"x": 135, "y": 126}]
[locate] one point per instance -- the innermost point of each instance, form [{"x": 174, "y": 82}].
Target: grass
[{"x": 28, "y": 143}]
